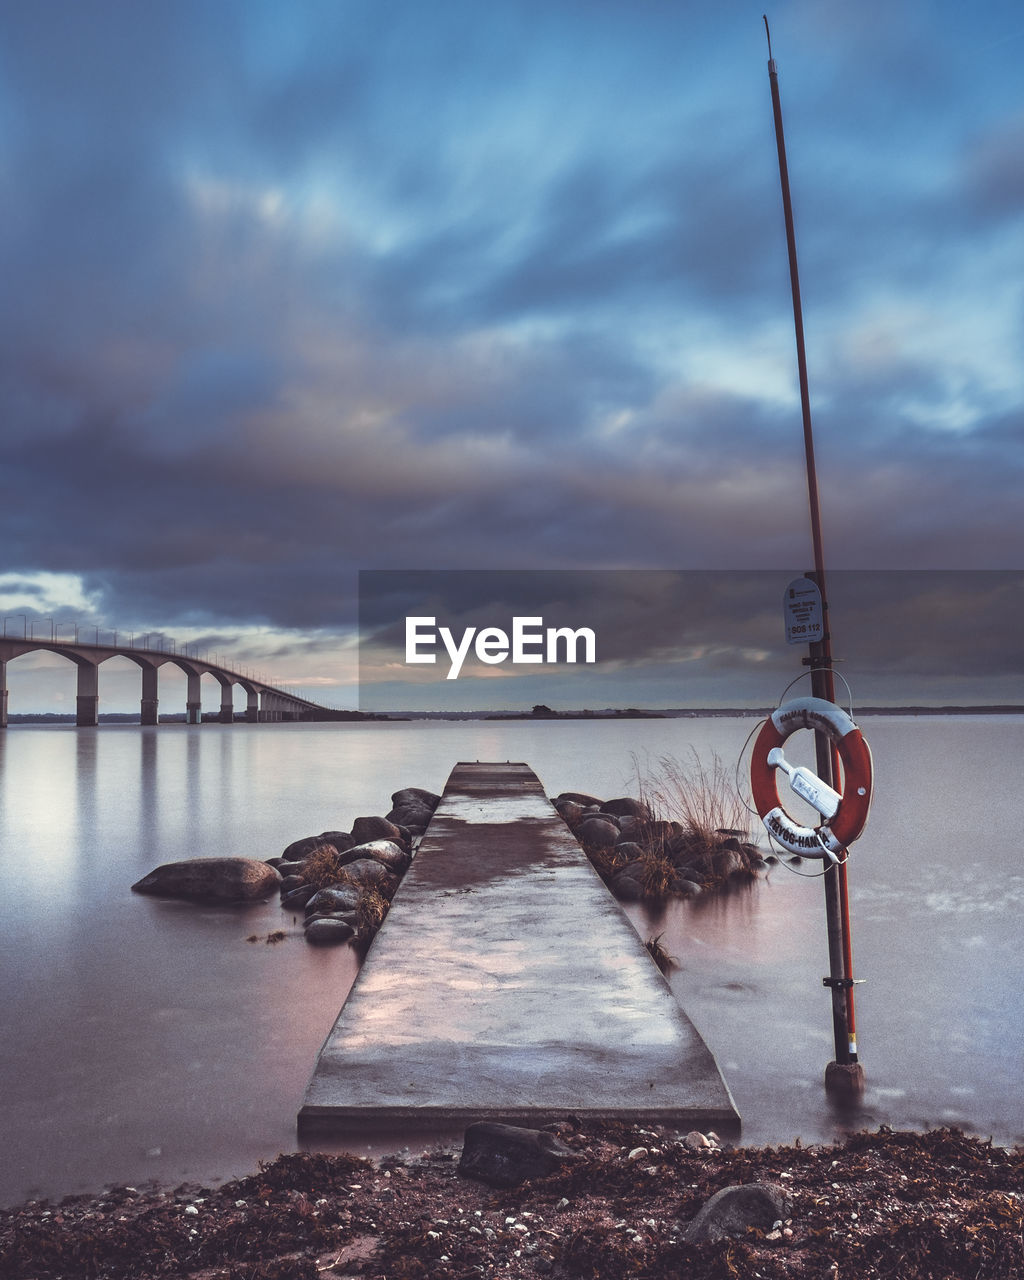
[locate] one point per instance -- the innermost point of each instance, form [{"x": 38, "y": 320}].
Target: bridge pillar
[
  {"x": 194, "y": 699},
  {"x": 3, "y": 693},
  {"x": 88, "y": 706},
  {"x": 227, "y": 704},
  {"x": 252, "y": 707},
  {"x": 150, "y": 701}
]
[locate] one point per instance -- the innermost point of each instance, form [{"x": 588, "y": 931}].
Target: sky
[{"x": 294, "y": 291}]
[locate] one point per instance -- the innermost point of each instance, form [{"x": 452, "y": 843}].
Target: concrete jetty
[{"x": 507, "y": 984}]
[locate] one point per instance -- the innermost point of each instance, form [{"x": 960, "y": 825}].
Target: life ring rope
[{"x": 845, "y": 814}]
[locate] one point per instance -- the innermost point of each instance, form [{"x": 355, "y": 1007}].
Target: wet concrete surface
[{"x": 507, "y": 984}]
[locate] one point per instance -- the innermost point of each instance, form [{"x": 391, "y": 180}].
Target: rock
[
  {"x": 346, "y": 917},
  {"x": 414, "y": 817},
  {"x": 570, "y": 811},
  {"x": 366, "y": 829},
  {"x": 627, "y": 889},
  {"x": 299, "y": 850},
  {"x": 658, "y": 836},
  {"x": 370, "y": 874},
  {"x": 688, "y": 888},
  {"x": 727, "y": 862},
  {"x": 597, "y": 833},
  {"x": 505, "y": 1155},
  {"x": 625, "y": 806},
  {"x": 290, "y": 882},
  {"x": 297, "y": 898},
  {"x": 324, "y": 932},
  {"x": 386, "y": 852},
  {"x": 630, "y": 828},
  {"x": 629, "y": 849},
  {"x": 577, "y": 797},
  {"x": 696, "y": 1141},
  {"x": 211, "y": 880},
  {"x": 336, "y": 898},
  {"x": 732, "y": 1210},
  {"x": 415, "y": 795},
  {"x": 288, "y": 868}
]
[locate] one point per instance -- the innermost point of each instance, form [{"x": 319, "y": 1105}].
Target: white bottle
[{"x": 807, "y": 785}]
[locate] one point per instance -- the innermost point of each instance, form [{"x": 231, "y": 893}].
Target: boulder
[
  {"x": 626, "y": 889},
  {"x": 624, "y": 806},
  {"x": 299, "y": 850},
  {"x": 367, "y": 829},
  {"x": 731, "y": 1211},
  {"x": 688, "y": 888},
  {"x": 367, "y": 873},
  {"x": 628, "y": 849},
  {"x": 414, "y": 817},
  {"x": 326, "y": 933},
  {"x": 296, "y": 899},
  {"x": 727, "y": 862},
  {"x": 577, "y": 797},
  {"x": 346, "y": 917},
  {"x": 570, "y": 811},
  {"x": 417, "y": 796},
  {"x": 505, "y": 1155},
  {"x": 597, "y": 833},
  {"x": 211, "y": 880},
  {"x": 386, "y": 852},
  {"x": 342, "y": 897}
]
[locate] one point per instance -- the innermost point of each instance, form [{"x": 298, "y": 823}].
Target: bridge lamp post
[
  {"x": 24, "y": 624},
  {"x": 73, "y": 625},
  {"x": 32, "y": 628}
]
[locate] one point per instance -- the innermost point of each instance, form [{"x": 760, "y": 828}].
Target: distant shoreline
[{"x": 604, "y": 714}]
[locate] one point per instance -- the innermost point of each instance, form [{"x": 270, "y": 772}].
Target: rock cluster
[
  {"x": 643, "y": 857},
  {"x": 343, "y": 881}
]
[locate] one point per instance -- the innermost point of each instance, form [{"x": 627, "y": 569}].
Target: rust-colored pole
[{"x": 844, "y": 1074}]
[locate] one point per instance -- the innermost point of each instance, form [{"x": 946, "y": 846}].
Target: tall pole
[{"x": 845, "y": 1075}]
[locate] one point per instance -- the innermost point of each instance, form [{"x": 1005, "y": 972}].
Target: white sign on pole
[{"x": 802, "y": 609}]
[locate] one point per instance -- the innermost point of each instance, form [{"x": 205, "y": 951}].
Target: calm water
[{"x": 146, "y": 1039}]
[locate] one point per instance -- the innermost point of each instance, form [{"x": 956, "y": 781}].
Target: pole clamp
[{"x": 842, "y": 984}]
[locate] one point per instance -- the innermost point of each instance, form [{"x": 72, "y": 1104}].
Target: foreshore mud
[{"x": 886, "y": 1204}]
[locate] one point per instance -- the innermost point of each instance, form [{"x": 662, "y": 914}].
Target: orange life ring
[{"x": 850, "y": 810}]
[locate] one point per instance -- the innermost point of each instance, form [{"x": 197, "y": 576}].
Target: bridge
[{"x": 266, "y": 703}]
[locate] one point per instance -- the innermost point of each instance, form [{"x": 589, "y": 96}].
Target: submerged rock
[
  {"x": 211, "y": 880},
  {"x": 324, "y": 931}
]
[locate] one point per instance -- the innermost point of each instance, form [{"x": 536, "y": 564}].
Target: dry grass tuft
[
  {"x": 702, "y": 798},
  {"x": 658, "y": 878},
  {"x": 659, "y": 955},
  {"x": 371, "y": 911},
  {"x": 322, "y": 867}
]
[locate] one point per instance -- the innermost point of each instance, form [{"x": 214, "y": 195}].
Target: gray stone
[
  {"x": 328, "y": 933},
  {"x": 570, "y": 811},
  {"x": 334, "y": 898},
  {"x": 346, "y": 917},
  {"x": 211, "y": 880},
  {"x": 629, "y": 849},
  {"x": 688, "y": 888},
  {"x": 299, "y": 850},
  {"x": 597, "y": 833},
  {"x": 626, "y": 889},
  {"x": 727, "y": 862},
  {"x": 505, "y": 1155},
  {"x": 386, "y": 852},
  {"x": 297, "y": 897},
  {"x": 366, "y": 829},
  {"x": 624, "y": 806},
  {"x": 414, "y": 817},
  {"x": 416, "y": 795},
  {"x": 578, "y": 797},
  {"x": 370, "y": 874},
  {"x": 731, "y": 1211}
]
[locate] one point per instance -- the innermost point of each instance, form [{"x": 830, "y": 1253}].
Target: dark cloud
[{"x": 291, "y": 291}]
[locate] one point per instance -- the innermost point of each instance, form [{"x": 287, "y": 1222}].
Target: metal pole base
[{"x": 844, "y": 1080}]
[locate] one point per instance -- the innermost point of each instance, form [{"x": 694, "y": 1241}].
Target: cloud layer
[{"x": 296, "y": 291}]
